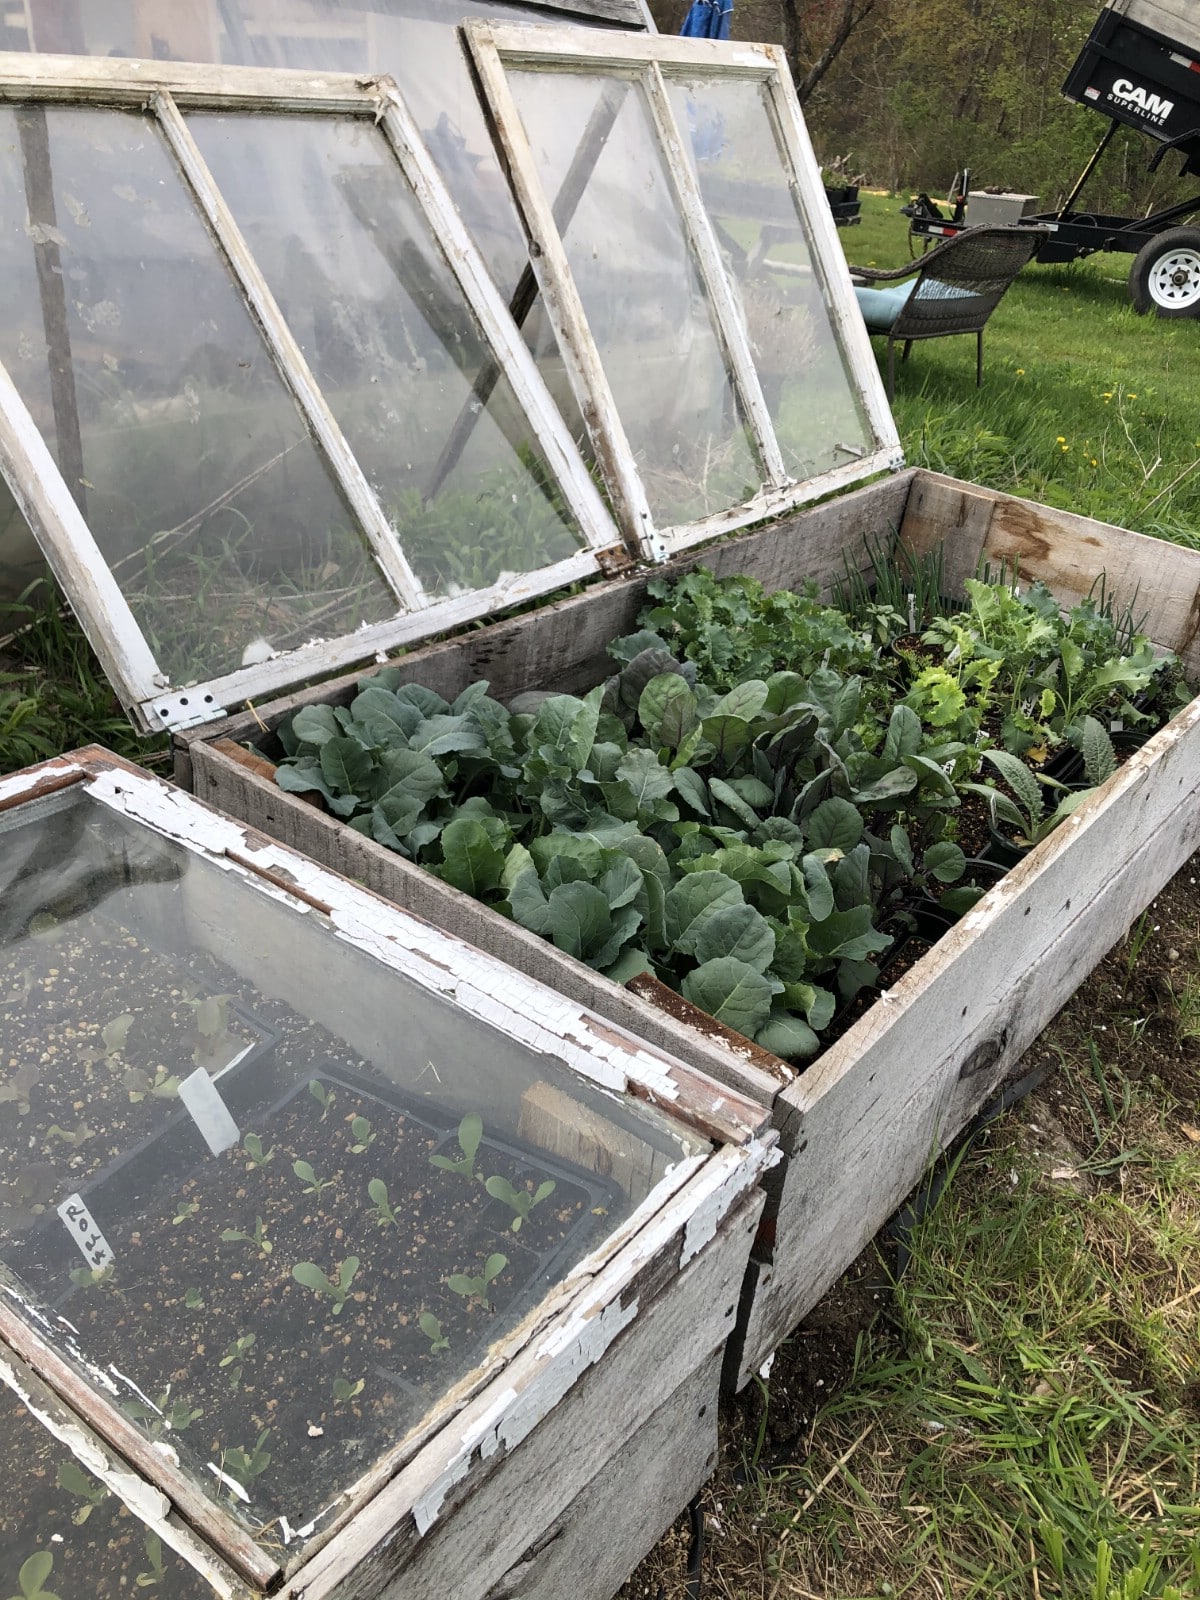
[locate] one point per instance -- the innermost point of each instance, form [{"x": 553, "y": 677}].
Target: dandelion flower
[
  {"x": 1020, "y": 372},
  {"x": 1061, "y": 439},
  {"x": 1132, "y": 396}
]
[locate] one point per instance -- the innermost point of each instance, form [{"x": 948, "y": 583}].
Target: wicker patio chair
[{"x": 956, "y": 288}]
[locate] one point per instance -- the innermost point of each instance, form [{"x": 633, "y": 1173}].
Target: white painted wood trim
[
  {"x": 190, "y": 705},
  {"x": 123, "y": 81},
  {"x": 588, "y": 48},
  {"x": 289, "y": 358},
  {"x": 775, "y": 503},
  {"x": 502, "y": 334},
  {"x": 727, "y": 313},
  {"x": 564, "y": 306},
  {"x": 57, "y": 523}
]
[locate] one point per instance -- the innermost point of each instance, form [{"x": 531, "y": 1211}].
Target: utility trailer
[{"x": 1140, "y": 67}]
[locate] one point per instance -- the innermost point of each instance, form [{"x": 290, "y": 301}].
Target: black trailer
[{"x": 1140, "y": 68}]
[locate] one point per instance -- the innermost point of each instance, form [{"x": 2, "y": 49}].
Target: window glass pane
[
  {"x": 81, "y": 1538},
  {"x": 135, "y": 353},
  {"x": 413, "y": 40},
  {"x": 382, "y": 322},
  {"x": 283, "y": 1310},
  {"x": 641, "y": 290},
  {"x": 728, "y": 128}
]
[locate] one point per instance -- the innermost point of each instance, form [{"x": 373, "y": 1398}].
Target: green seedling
[
  {"x": 235, "y": 1357},
  {"x": 76, "y": 1481},
  {"x": 163, "y": 1086},
  {"x": 346, "y": 1389},
  {"x": 381, "y": 1212},
  {"x": 521, "y": 1201},
  {"x": 193, "y": 1299},
  {"x": 253, "y": 1146},
  {"x": 112, "y": 1041},
  {"x": 432, "y": 1329},
  {"x": 470, "y": 1132},
  {"x": 323, "y": 1096},
  {"x": 312, "y": 1184},
  {"x": 32, "y": 1577},
  {"x": 16, "y": 1090},
  {"x": 184, "y": 1209},
  {"x": 361, "y": 1133},
  {"x": 73, "y": 1136},
  {"x": 243, "y": 1466},
  {"x": 215, "y": 1045},
  {"x": 163, "y": 1417},
  {"x": 154, "y": 1555},
  {"x": 310, "y": 1276},
  {"x": 93, "y": 1277},
  {"x": 476, "y": 1288},
  {"x": 258, "y": 1238}
]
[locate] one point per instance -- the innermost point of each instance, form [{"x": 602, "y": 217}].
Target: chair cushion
[{"x": 881, "y": 307}]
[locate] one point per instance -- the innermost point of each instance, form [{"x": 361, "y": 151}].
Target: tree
[{"x": 814, "y": 36}]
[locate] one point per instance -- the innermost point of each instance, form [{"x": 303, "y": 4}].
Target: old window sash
[
  {"x": 726, "y": 1146},
  {"x": 651, "y": 61},
  {"x": 169, "y": 90}
]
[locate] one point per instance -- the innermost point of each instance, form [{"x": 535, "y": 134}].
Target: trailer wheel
[{"x": 1165, "y": 276}]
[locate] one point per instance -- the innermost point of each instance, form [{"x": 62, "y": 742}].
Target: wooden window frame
[
  {"x": 651, "y": 60},
  {"x": 168, "y": 90}
]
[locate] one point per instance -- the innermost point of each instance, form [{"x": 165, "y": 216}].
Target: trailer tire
[{"x": 1165, "y": 276}]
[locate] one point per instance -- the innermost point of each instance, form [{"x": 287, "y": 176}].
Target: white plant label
[
  {"x": 208, "y": 1111},
  {"x": 83, "y": 1228}
]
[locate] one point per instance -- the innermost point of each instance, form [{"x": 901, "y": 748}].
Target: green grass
[{"x": 1085, "y": 405}]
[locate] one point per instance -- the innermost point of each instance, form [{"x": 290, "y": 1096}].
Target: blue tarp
[{"x": 707, "y": 19}]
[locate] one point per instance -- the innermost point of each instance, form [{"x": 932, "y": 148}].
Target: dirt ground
[{"x": 1143, "y": 1006}]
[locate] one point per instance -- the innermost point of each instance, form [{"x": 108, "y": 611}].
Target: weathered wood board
[{"x": 859, "y": 1126}]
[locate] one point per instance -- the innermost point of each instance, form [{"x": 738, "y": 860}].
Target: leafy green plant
[
  {"x": 242, "y": 1465},
  {"x": 234, "y": 1357},
  {"x": 32, "y": 1577},
  {"x": 253, "y": 1146},
  {"x": 258, "y": 1238},
  {"x": 520, "y": 1201},
  {"x": 1023, "y": 810},
  {"x": 193, "y": 1299},
  {"x": 312, "y": 1184},
  {"x": 362, "y": 1134},
  {"x": 432, "y": 1329},
  {"x": 475, "y": 1287},
  {"x": 85, "y": 1488},
  {"x": 381, "y": 1212},
  {"x": 322, "y": 1095},
  {"x": 310, "y": 1276},
  {"x": 215, "y": 1044},
  {"x": 94, "y": 1277},
  {"x": 163, "y": 1085},
  {"x": 152, "y": 1545},
  {"x": 470, "y": 1132},
  {"x": 345, "y": 1389},
  {"x": 184, "y": 1210},
  {"x": 164, "y": 1416}
]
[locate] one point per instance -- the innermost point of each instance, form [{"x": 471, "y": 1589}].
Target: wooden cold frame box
[
  {"x": 502, "y": 1472},
  {"x": 860, "y": 1124}
]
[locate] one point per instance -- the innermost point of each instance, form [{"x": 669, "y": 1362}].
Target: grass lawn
[{"x": 1084, "y": 404}]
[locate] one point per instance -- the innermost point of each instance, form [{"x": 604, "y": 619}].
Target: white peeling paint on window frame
[
  {"x": 526, "y": 1374},
  {"x": 167, "y": 90},
  {"x": 642, "y": 58}
]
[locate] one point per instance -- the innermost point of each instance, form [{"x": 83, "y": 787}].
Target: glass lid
[
  {"x": 268, "y": 1196},
  {"x": 691, "y": 270},
  {"x": 260, "y": 401}
]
